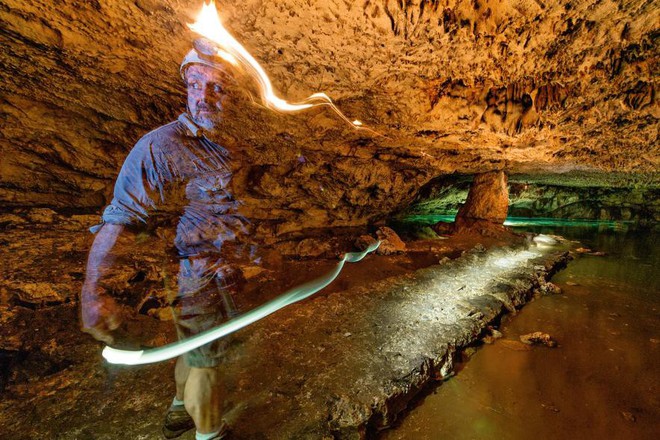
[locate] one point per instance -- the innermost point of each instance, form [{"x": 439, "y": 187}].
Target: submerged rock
[
  {"x": 538, "y": 338},
  {"x": 514, "y": 345}
]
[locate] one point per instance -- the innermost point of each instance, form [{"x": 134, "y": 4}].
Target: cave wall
[
  {"x": 448, "y": 195},
  {"x": 451, "y": 86},
  {"x": 623, "y": 204}
]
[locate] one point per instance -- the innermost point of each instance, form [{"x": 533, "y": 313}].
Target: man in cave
[{"x": 178, "y": 176}]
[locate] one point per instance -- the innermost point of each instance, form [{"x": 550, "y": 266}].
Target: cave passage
[{"x": 480, "y": 125}]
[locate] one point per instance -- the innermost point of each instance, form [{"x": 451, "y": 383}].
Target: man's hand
[{"x": 100, "y": 315}]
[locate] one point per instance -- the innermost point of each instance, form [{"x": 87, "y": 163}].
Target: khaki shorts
[{"x": 204, "y": 301}]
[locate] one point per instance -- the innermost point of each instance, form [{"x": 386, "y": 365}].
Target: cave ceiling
[{"x": 537, "y": 88}]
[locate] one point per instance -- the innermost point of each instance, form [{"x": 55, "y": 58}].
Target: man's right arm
[
  {"x": 136, "y": 190},
  {"x": 100, "y": 313}
]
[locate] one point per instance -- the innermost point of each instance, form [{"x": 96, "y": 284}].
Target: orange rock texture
[{"x": 545, "y": 88}]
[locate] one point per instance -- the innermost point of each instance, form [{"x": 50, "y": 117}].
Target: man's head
[{"x": 211, "y": 87}]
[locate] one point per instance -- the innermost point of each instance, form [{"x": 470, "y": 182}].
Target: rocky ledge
[{"x": 347, "y": 365}]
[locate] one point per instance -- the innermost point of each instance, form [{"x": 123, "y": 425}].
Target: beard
[{"x": 207, "y": 118}]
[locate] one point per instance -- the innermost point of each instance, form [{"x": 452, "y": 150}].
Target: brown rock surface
[
  {"x": 390, "y": 242},
  {"x": 364, "y": 241},
  {"x": 543, "y": 88},
  {"x": 538, "y": 338},
  {"x": 488, "y": 199}
]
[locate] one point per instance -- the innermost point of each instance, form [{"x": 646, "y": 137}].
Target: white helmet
[{"x": 205, "y": 53}]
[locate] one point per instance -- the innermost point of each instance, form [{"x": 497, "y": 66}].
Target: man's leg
[
  {"x": 177, "y": 420},
  {"x": 203, "y": 398},
  {"x": 181, "y": 371}
]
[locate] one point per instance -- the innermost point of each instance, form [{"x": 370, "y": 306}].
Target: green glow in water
[{"x": 520, "y": 221}]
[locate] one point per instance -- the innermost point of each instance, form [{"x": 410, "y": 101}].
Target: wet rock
[
  {"x": 538, "y": 338},
  {"x": 488, "y": 199},
  {"x": 542, "y": 197},
  {"x": 479, "y": 248},
  {"x": 391, "y": 243},
  {"x": 426, "y": 233},
  {"x": 250, "y": 272},
  {"x": 587, "y": 251},
  {"x": 550, "y": 407},
  {"x": 545, "y": 239},
  {"x": 364, "y": 241},
  {"x": 305, "y": 248},
  {"x": 492, "y": 335},
  {"x": 443, "y": 228},
  {"x": 312, "y": 247},
  {"x": 550, "y": 289},
  {"x": 628, "y": 416},
  {"x": 468, "y": 352},
  {"x": 350, "y": 374},
  {"x": 485, "y": 208}
]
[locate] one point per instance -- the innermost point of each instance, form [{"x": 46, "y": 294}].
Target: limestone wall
[{"x": 467, "y": 86}]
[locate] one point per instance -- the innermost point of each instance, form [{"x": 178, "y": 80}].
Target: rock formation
[
  {"x": 542, "y": 88},
  {"x": 487, "y": 202}
]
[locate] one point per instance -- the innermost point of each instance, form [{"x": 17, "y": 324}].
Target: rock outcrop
[
  {"x": 487, "y": 202},
  {"x": 460, "y": 86}
]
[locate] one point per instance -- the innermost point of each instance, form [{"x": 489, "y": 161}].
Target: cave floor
[{"x": 341, "y": 363}]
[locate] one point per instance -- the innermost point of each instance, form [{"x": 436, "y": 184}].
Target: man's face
[{"x": 208, "y": 95}]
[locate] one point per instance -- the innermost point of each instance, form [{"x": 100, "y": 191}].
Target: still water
[{"x": 601, "y": 382}]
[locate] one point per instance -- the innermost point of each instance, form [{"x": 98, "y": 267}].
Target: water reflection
[{"x": 600, "y": 382}]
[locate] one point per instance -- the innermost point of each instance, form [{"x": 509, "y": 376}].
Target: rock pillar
[{"x": 487, "y": 204}]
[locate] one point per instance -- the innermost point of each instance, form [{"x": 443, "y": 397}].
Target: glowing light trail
[
  {"x": 129, "y": 357},
  {"x": 209, "y": 26}
]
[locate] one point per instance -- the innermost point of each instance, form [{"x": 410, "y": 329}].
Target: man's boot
[{"x": 177, "y": 421}]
